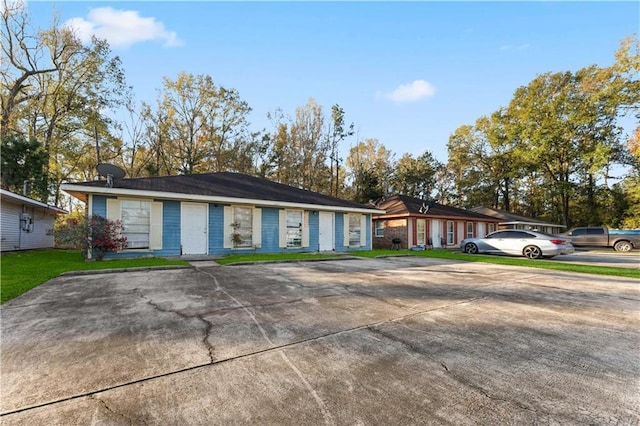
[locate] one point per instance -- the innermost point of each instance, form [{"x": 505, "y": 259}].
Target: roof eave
[
  {"x": 78, "y": 191},
  {"x": 31, "y": 202},
  {"x": 519, "y": 222}
]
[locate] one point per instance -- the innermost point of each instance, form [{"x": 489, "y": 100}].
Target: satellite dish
[
  {"x": 424, "y": 209},
  {"x": 111, "y": 172}
]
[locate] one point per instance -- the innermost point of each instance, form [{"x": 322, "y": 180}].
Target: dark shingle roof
[
  {"x": 226, "y": 184},
  {"x": 510, "y": 217},
  {"x": 402, "y": 205}
]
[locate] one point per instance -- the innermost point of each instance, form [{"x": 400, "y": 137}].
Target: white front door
[
  {"x": 327, "y": 232},
  {"x": 193, "y": 226},
  {"x": 436, "y": 234},
  {"x": 480, "y": 230}
]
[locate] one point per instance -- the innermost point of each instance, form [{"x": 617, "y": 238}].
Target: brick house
[{"x": 415, "y": 222}]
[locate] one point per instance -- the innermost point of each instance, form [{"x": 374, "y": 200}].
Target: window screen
[{"x": 136, "y": 221}]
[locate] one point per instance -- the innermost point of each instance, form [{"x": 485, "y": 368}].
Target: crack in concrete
[
  {"x": 449, "y": 371},
  {"x": 110, "y": 410},
  {"x": 328, "y": 419},
  {"x": 272, "y": 349},
  {"x": 380, "y": 299},
  {"x": 208, "y": 324},
  {"x": 263, "y": 305}
]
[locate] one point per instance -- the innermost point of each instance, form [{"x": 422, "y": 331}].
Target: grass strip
[
  {"x": 22, "y": 271},
  {"x": 504, "y": 260},
  {"x": 274, "y": 257}
]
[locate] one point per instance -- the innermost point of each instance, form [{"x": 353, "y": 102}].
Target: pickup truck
[{"x": 601, "y": 236}]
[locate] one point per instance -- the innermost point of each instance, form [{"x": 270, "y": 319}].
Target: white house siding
[{"x": 14, "y": 238}]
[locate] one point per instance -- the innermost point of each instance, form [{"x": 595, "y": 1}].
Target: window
[
  {"x": 521, "y": 234},
  {"x": 354, "y": 230},
  {"x": 294, "y": 228},
  {"x": 469, "y": 229},
  {"x": 379, "y": 225},
  {"x": 500, "y": 234},
  {"x": 595, "y": 231},
  {"x": 421, "y": 232},
  {"x": 136, "y": 222},
  {"x": 243, "y": 221},
  {"x": 450, "y": 232},
  {"x": 492, "y": 227}
]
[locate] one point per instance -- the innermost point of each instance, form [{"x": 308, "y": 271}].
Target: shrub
[
  {"x": 71, "y": 233},
  {"x": 106, "y": 236}
]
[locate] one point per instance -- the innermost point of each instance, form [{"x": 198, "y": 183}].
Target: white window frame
[
  {"x": 283, "y": 228},
  {"x": 379, "y": 228},
  {"x": 245, "y": 227},
  {"x": 140, "y": 229},
  {"x": 470, "y": 231},
  {"x": 355, "y": 230},
  {"x": 114, "y": 212},
  {"x": 294, "y": 232},
  {"x": 256, "y": 227},
  {"x": 421, "y": 235},
  {"x": 451, "y": 232},
  {"x": 491, "y": 227}
]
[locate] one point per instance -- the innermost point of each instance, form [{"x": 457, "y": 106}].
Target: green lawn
[
  {"x": 274, "y": 257},
  {"x": 503, "y": 260},
  {"x": 22, "y": 271}
]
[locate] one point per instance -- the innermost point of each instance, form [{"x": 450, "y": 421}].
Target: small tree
[
  {"x": 105, "y": 236},
  {"x": 71, "y": 231}
]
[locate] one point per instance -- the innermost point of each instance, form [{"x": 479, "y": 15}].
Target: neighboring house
[
  {"x": 514, "y": 221},
  {"x": 415, "y": 222},
  {"x": 26, "y": 223},
  {"x": 222, "y": 213}
]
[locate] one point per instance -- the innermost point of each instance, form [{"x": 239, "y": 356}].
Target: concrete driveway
[
  {"x": 603, "y": 258},
  {"x": 384, "y": 341}
]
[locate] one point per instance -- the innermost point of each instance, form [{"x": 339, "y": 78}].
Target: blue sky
[{"x": 406, "y": 73}]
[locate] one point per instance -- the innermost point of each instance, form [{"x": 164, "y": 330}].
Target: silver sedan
[{"x": 518, "y": 242}]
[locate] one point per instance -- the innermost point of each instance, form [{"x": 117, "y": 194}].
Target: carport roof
[
  {"x": 402, "y": 205},
  {"x": 222, "y": 187},
  {"x": 508, "y": 218}
]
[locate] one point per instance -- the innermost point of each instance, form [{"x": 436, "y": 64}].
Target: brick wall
[{"x": 396, "y": 228}]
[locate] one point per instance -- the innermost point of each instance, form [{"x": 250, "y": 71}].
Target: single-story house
[
  {"x": 222, "y": 213},
  {"x": 412, "y": 222},
  {"x": 26, "y": 223},
  {"x": 515, "y": 221}
]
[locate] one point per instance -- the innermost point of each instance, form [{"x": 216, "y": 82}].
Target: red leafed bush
[{"x": 106, "y": 236}]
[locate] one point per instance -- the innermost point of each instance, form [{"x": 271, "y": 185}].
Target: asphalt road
[{"x": 369, "y": 341}]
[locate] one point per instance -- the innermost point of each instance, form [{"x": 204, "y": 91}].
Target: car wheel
[
  {"x": 471, "y": 248},
  {"x": 532, "y": 252},
  {"x": 622, "y": 246}
]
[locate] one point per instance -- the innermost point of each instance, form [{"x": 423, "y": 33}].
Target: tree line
[{"x": 548, "y": 154}]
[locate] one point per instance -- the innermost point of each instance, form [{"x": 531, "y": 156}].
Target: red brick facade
[{"x": 393, "y": 228}]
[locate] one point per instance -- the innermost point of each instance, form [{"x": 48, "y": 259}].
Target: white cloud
[
  {"x": 122, "y": 28},
  {"x": 412, "y": 92}
]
